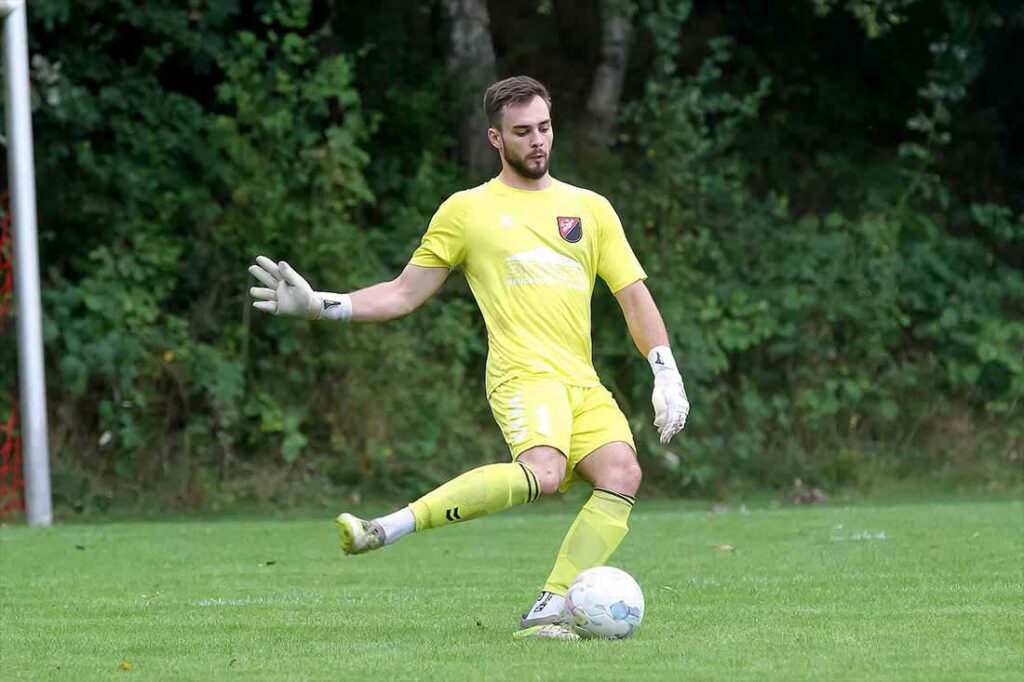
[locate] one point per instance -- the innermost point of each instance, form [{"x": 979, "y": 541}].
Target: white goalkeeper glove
[
  {"x": 669, "y": 398},
  {"x": 285, "y": 292}
]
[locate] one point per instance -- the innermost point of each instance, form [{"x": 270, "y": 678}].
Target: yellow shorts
[{"x": 542, "y": 411}]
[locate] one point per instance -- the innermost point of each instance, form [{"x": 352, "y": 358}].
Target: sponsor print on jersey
[
  {"x": 571, "y": 228},
  {"x": 545, "y": 266}
]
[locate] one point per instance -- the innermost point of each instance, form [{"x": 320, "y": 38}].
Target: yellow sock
[
  {"x": 484, "y": 490},
  {"x": 592, "y": 537}
]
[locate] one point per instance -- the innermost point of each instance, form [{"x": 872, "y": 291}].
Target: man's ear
[{"x": 494, "y": 137}]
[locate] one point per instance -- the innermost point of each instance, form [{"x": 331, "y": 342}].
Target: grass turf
[{"x": 909, "y": 591}]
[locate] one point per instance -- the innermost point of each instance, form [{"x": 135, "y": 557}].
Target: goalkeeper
[{"x": 530, "y": 247}]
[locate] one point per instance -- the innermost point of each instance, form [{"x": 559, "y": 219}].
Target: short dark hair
[{"x": 514, "y": 90}]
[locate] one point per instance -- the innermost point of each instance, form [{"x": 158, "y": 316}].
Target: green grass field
[{"x": 904, "y": 591}]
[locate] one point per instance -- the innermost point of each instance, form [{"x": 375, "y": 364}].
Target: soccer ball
[{"x": 605, "y": 603}]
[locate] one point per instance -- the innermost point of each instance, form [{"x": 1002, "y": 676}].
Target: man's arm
[
  {"x": 286, "y": 292},
  {"x": 400, "y": 296},
  {"x": 671, "y": 406},
  {"x": 642, "y": 317}
]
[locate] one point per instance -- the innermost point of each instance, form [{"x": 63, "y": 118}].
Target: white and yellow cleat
[
  {"x": 562, "y": 631},
  {"x": 358, "y": 536},
  {"x": 546, "y": 620},
  {"x": 547, "y": 609}
]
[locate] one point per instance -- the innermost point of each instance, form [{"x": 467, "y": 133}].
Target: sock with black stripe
[
  {"x": 592, "y": 537},
  {"x": 484, "y": 490}
]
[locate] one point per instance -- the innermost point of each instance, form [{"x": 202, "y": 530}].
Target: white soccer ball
[{"x": 605, "y": 602}]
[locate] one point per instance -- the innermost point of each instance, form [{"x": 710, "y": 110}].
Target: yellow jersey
[{"x": 531, "y": 258}]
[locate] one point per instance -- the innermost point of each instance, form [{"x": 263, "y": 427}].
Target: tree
[
  {"x": 606, "y": 90},
  {"x": 471, "y": 67}
]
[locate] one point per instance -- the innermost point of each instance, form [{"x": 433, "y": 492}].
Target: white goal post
[{"x": 21, "y": 174}]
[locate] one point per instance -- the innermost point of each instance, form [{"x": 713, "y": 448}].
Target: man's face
[{"x": 525, "y": 138}]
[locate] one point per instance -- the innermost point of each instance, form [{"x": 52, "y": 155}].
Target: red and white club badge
[{"x": 571, "y": 228}]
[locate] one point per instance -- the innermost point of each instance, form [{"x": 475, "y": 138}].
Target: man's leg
[
  {"x": 491, "y": 488},
  {"x": 601, "y": 525},
  {"x": 484, "y": 490},
  {"x": 615, "y": 474}
]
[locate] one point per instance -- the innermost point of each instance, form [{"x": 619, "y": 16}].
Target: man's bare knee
[
  {"x": 622, "y": 477},
  {"x": 628, "y": 477},
  {"x": 547, "y": 464},
  {"x": 612, "y": 467}
]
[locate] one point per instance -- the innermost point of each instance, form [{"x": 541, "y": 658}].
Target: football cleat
[
  {"x": 546, "y": 610},
  {"x": 550, "y": 631},
  {"x": 358, "y": 536}
]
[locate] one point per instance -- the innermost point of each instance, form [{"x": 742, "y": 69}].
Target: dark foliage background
[{"x": 827, "y": 196}]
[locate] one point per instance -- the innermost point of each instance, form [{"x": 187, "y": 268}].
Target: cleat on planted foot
[
  {"x": 550, "y": 631},
  {"x": 528, "y": 620},
  {"x": 358, "y": 536},
  {"x": 548, "y": 609}
]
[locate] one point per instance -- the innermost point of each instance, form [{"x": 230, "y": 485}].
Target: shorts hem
[{"x": 516, "y": 450}]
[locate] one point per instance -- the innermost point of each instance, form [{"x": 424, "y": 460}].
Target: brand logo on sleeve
[{"x": 570, "y": 228}]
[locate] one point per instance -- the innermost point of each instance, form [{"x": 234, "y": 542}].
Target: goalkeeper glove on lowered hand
[
  {"x": 286, "y": 292},
  {"x": 671, "y": 406}
]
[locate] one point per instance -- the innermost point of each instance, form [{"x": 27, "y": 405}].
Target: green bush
[{"x": 873, "y": 332}]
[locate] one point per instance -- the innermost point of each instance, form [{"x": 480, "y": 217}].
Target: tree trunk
[
  {"x": 603, "y": 103},
  {"x": 471, "y": 68}
]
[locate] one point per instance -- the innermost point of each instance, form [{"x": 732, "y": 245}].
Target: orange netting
[{"x": 12, "y": 485}]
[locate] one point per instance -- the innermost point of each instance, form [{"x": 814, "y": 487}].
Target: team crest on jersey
[{"x": 571, "y": 228}]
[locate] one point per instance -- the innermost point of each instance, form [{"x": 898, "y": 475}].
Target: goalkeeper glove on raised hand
[
  {"x": 285, "y": 292},
  {"x": 671, "y": 406}
]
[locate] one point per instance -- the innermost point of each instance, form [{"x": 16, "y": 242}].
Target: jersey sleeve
[
  {"x": 617, "y": 265},
  {"x": 444, "y": 243}
]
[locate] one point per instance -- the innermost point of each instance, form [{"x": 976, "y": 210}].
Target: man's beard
[{"x": 519, "y": 165}]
